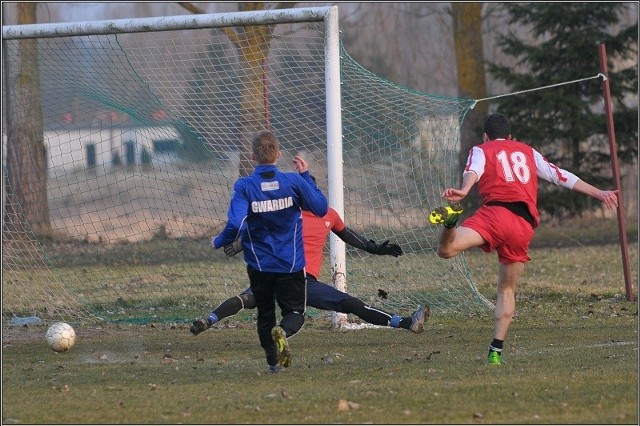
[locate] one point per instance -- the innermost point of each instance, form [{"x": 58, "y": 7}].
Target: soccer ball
[{"x": 61, "y": 337}]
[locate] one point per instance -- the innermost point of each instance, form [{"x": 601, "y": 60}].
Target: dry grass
[
  {"x": 564, "y": 366},
  {"x": 572, "y": 358}
]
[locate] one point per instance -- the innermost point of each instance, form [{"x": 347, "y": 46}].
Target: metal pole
[
  {"x": 334, "y": 153},
  {"x": 616, "y": 173},
  {"x": 166, "y": 23}
]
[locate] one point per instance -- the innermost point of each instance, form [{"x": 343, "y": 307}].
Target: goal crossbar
[{"x": 168, "y": 23}]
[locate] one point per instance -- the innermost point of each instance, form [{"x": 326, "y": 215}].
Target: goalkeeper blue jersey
[{"x": 266, "y": 212}]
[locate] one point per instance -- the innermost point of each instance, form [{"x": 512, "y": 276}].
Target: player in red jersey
[{"x": 507, "y": 173}]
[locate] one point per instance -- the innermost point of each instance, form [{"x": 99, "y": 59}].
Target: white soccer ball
[{"x": 61, "y": 337}]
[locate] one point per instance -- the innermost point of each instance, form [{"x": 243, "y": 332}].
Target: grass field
[{"x": 571, "y": 358}]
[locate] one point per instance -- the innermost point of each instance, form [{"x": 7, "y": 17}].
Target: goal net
[{"x": 144, "y": 127}]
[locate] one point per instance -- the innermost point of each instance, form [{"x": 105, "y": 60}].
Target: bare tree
[
  {"x": 253, "y": 44},
  {"x": 26, "y": 184},
  {"x": 467, "y": 31}
]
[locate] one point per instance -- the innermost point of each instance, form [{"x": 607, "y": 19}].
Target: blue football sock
[
  {"x": 212, "y": 318},
  {"x": 395, "y": 321}
]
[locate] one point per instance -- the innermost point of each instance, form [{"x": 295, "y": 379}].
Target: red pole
[
  {"x": 613, "y": 149},
  {"x": 265, "y": 94}
]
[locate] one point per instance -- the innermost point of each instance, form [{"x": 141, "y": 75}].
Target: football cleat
[
  {"x": 419, "y": 317},
  {"x": 494, "y": 358},
  {"x": 282, "y": 347},
  {"x": 274, "y": 369},
  {"x": 198, "y": 326},
  {"x": 447, "y": 215}
]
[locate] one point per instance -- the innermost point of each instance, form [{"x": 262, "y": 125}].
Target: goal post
[{"x": 147, "y": 123}]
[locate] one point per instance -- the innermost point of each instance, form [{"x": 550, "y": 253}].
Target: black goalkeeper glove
[
  {"x": 233, "y": 248},
  {"x": 385, "y": 248}
]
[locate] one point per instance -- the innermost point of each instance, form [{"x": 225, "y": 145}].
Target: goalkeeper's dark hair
[{"x": 496, "y": 126}]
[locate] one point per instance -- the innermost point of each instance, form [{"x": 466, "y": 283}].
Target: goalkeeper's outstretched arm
[{"x": 349, "y": 236}]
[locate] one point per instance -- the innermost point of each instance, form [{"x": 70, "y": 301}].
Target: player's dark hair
[{"x": 496, "y": 126}]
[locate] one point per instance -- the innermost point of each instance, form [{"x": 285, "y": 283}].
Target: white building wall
[{"x": 68, "y": 149}]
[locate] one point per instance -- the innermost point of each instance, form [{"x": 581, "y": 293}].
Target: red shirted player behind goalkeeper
[{"x": 507, "y": 174}]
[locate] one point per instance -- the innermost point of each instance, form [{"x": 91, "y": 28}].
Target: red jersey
[
  {"x": 508, "y": 171},
  {"x": 314, "y": 234}
]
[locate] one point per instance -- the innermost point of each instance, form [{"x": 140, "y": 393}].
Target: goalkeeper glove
[
  {"x": 233, "y": 248},
  {"x": 384, "y": 248}
]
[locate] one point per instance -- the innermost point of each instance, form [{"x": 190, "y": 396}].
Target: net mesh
[{"x": 145, "y": 135}]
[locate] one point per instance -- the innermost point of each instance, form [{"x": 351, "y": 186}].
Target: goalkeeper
[{"x": 320, "y": 295}]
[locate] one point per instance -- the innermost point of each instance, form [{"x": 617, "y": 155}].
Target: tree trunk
[
  {"x": 467, "y": 30},
  {"x": 253, "y": 43},
  {"x": 27, "y": 209},
  {"x": 254, "y": 51}
]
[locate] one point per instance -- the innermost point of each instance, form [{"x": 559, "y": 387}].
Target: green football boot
[{"x": 495, "y": 358}]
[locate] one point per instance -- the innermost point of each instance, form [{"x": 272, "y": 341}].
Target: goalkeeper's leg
[
  {"x": 229, "y": 307},
  {"x": 325, "y": 297},
  {"x": 377, "y": 316}
]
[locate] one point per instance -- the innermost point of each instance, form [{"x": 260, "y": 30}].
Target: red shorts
[{"x": 504, "y": 231}]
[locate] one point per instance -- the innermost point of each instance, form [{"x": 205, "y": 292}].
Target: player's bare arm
[
  {"x": 608, "y": 198},
  {"x": 454, "y": 195}
]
